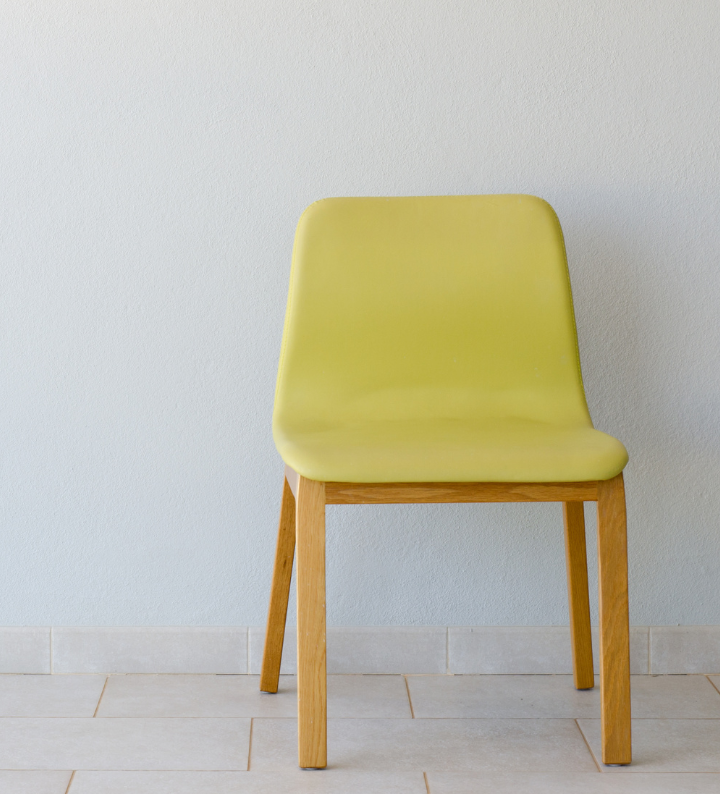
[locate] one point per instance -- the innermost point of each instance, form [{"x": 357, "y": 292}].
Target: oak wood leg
[
  {"x": 311, "y": 672},
  {"x": 614, "y": 623},
  {"x": 577, "y": 576},
  {"x": 279, "y": 593}
]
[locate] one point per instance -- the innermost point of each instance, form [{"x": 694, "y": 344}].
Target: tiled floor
[{"x": 471, "y": 734}]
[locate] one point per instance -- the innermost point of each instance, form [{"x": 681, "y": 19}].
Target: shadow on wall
[{"x": 645, "y": 293}]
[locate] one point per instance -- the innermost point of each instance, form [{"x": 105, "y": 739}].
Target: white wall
[{"x": 154, "y": 158}]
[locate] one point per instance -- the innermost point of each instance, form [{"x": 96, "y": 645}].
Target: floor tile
[
  {"x": 506, "y": 696},
  {"x": 24, "y": 649},
  {"x": 34, "y": 782},
  {"x": 370, "y": 696},
  {"x": 514, "y": 650},
  {"x": 181, "y": 649},
  {"x": 456, "y": 783},
  {"x": 195, "y": 696},
  {"x": 527, "y": 650},
  {"x": 685, "y": 649},
  {"x": 387, "y": 649},
  {"x": 674, "y": 697},
  {"x": 240, "y": 696},
  {"x": 124, "y": 744},
  {"x": 665, "y": 745},
  {"x": 443, "y": 745},
  {"x": 50, "y": 695},
  {"x": 492, "y": 696},
  {"x": 377, "y": 650},
  {"x": 326, "y": 781}
]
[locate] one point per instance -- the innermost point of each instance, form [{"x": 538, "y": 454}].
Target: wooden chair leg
[
  {"x": 279, "y": 593},
  {"x": 578, "y": 597},
  {"x": 614, "y": 623},
  {"x": 311, "y": 670}
]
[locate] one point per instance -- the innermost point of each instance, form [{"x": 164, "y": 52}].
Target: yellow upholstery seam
[
  {"x": 288, "y": 306},
  {"x": 572, "y": 308}
]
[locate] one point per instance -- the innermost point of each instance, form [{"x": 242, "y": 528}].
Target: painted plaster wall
[{"x": 154, "y": 158}]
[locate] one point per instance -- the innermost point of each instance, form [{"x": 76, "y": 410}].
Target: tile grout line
[
  {"x": 107, "y": 678},
  {"x": 343, "y": 719},
  {"x": 427, "y": 785},
  {"x": 72, "y": 777},
  {"x": 407, "y": 689},
  {"x": 3, "y": 720},
  {"x": 587, "y": 744},
  {"x": 252, "y": 720},
  {"x": 712, "y": 683}
]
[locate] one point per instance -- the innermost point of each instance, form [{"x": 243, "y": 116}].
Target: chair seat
[{"x": 451, "y": 450}]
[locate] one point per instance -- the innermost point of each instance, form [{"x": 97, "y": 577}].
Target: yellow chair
[{"x": 430, "y": 355}]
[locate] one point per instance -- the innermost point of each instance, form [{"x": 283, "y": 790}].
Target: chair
[{"x": 430, "y": 355}]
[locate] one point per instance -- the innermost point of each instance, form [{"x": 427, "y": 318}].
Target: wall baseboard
[{"x": 351, "y": 649}]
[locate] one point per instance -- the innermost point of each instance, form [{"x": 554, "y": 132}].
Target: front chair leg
[
  {"x": 279, "y": 593},
  {"x": 311, "y": 672},
  {"x": 614, "y": 622},
  {"x": 577, "y": 576}
]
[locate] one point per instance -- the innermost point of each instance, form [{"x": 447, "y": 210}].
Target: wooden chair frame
[{"x": 302, "y": 526}]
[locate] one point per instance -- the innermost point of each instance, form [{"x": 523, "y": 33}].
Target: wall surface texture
[{"x": 154, "y": 159}]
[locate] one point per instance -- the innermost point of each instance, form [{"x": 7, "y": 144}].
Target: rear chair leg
[
  {"x": 614, "y": 623},
  {"x": 577, "y": 576},
  {"x": 279, "y": 593},
  {"x": 312, "y": 680}
]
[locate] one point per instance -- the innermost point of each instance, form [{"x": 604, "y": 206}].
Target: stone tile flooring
[{"x": 391, "y": 734}]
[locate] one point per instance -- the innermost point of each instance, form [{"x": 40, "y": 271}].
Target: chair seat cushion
[{"x": 450, "y": 450}]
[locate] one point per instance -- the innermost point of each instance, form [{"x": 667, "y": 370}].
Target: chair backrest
[{"x": 454, "y": 306}]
